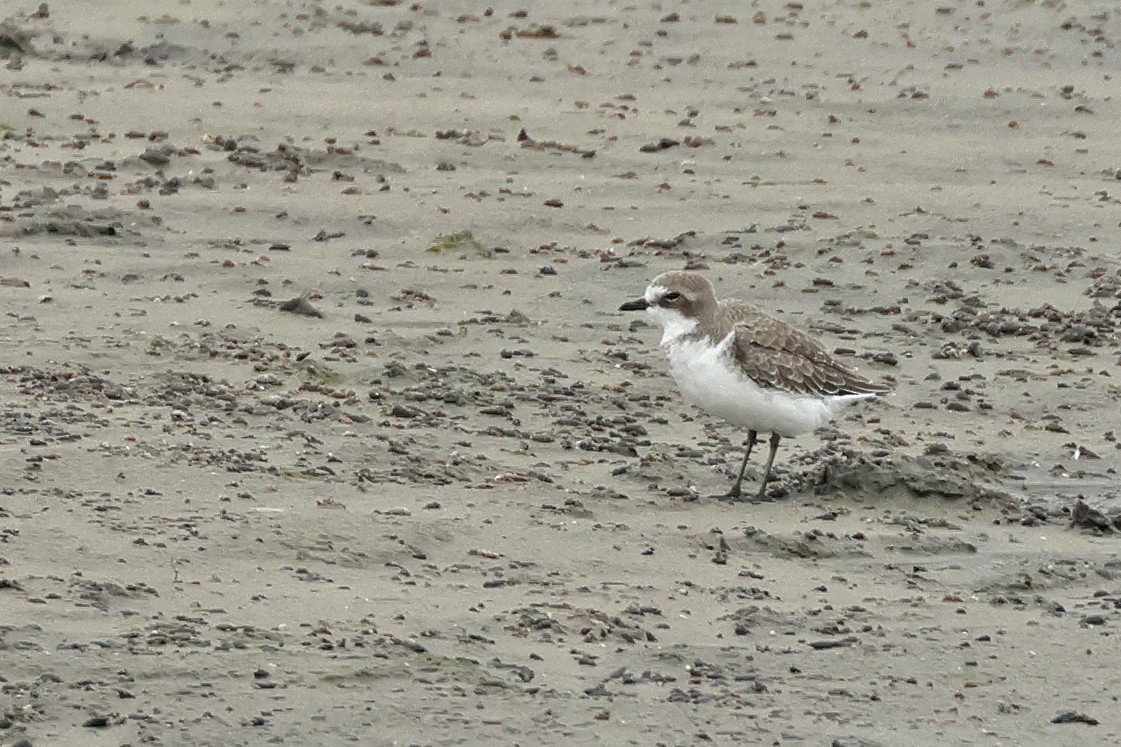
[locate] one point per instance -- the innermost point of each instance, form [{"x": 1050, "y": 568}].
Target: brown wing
[{"x": 778, "y": 356}]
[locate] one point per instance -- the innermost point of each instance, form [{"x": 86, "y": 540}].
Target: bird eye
[{"x": 673, "y": 297}]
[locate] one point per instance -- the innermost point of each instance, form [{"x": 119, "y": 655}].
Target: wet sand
[{"x": 320, "y": 424}]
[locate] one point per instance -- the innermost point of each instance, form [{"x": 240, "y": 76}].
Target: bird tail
[
  {"x": 837, "y": 401},
  {"x": 858, "y": 386},
  {"x": 847, "y": 399}
]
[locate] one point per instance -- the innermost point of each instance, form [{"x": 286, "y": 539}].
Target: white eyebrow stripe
[{"x": 654, "y": 292}]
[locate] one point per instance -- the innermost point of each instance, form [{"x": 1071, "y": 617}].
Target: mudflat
[{"x": 320, "y": 423}]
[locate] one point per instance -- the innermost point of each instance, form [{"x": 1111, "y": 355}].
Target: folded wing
[{"x": 778, "y": 356}]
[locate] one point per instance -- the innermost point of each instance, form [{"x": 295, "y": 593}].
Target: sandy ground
[{"x": 463, "y": 504}]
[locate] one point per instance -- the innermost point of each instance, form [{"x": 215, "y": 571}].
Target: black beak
[{"x": 636, "y": 305}]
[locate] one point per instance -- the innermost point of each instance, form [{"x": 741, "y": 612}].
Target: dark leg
[
  {"x": 767, "y": 470},
  {"x": 735, "y": 491}
]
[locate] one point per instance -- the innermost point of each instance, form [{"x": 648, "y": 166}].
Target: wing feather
[{"x": 779, "y": 356}]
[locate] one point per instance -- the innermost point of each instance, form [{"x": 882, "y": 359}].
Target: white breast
[{"x": 709, "y": 377}]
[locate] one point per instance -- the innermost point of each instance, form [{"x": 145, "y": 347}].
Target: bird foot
[
  {"x": 762, "y": 497},
  {"x": 733, "y": 496}
]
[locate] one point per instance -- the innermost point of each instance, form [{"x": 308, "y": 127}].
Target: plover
[{"x": 738, "y": 363}]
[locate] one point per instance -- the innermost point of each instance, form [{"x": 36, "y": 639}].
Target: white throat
[{"x": 674, "y": 324}]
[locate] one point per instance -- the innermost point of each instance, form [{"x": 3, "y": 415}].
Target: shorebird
[{"x": 737, "y": 362}]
